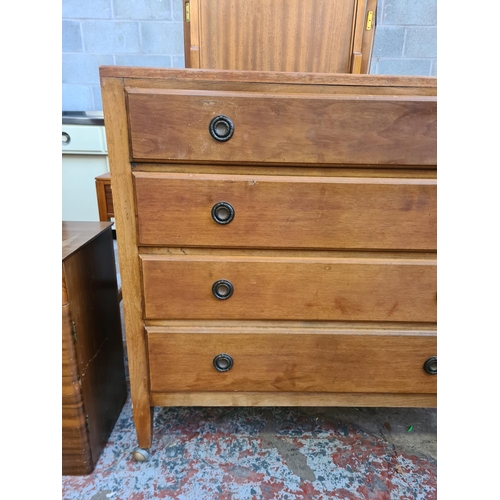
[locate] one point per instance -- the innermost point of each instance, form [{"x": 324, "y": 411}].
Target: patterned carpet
[{"x": 259, "y": 453}]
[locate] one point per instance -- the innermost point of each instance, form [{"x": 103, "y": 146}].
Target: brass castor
[{"x": 140, "y": 455}]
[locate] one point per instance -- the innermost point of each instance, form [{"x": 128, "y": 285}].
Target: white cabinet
[{"x": 84, "y": 157}]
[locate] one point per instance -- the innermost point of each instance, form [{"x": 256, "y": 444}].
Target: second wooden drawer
[{"x": 286, "y": 212}]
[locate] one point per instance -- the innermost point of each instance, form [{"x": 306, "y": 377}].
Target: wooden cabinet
[
  {"x": 104, "y": 197},
  {"x": 277, "y": 237},
  {"x": 318, "y": 36},
  {"x": 93, "y": 373}
]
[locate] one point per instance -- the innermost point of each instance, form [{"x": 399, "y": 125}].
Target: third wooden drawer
[
  {"x": 286, "y": 211},
  {"x": 291, "y": 360},
  {"x": 373, "y": 288}
]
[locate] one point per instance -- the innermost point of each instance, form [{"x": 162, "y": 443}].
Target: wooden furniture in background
[
  {"x": 319, "y": 36},
  {"x": 93, "y": 373},
  {"x": 104, "y": 197},
  {"x": 277, "y": 237}
]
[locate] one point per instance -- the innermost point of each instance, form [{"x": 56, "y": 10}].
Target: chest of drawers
[{"x": 277, "y": 237}]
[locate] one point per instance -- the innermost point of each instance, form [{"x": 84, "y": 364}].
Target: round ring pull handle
[
  {"x": 221, "y": 128},
  {"x": 222, "y": 289},
  {"x": 223, "y": 362},
  {"x": 431, "y": 365},
  {"x": 222, "y": 212}
]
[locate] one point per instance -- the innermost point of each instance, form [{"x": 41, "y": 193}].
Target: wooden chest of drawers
[{"x": 277, "y": 237}]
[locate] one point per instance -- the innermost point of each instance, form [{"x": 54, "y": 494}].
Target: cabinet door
[{"x": 277, "y": 35}]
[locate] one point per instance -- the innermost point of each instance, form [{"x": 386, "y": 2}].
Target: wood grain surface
[
  {"x": 90, "y": 276},
  {"x": 123, "y": 201},
  {"x": 368, "y": 38},
  {"x": 104, "y": 196},
  {"x": 287, "y": 212},
  {"x": 359, "y": 145},
  {"x": 173, "y": 125},
  {"x": 266, "y": 35},
  {"x": 76, "y": 451},
  {"x": 196, "y": 78},
  {"x": 292, "y": 362},
  {"x": 76, "y": 235},
  {"x": 275, "y": 398},
  {"x": 273, "y": 288}
]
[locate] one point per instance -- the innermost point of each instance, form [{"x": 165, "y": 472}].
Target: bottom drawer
[{"x": 312, "y": 362}]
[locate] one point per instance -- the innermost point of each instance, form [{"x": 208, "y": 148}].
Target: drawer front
[
  {"x": 305, "y": 129},
  {"x": 358, "y": 289},
  {"x": 286, "y": 212},
  {"x": 292, "y": 362}
]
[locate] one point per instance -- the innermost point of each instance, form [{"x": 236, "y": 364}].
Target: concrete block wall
[
  {"x": 115, "y": 32},
  {"x": 150, "y": 33},
  {"x": 405, "y": 40}
]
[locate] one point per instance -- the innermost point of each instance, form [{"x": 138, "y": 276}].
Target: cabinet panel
[
  {"x": 174, "y": 125},
  {"x": 286, "y": 212},
  {"x": 357, "y": 289},
  {"x": 292, "y": 362}
]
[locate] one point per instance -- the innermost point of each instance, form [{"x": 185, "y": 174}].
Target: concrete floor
[{"x": 269, "y": 453}]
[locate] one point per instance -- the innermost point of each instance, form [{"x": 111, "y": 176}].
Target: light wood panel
[
  {"x": 368, "y": 39},
  {"x": 292, "y": 399},
  {"x": 269, "y": 35},
  {"x": 197, "y": 78},
  {"x": 396, "y": 171},
  {"x": 173, "y": 125},
  {"x": 287, "y": 212},
  {"x": 292, "y": 362},
  {"x": 123, "y": 202},
  {"x": 377, "y": 289}
]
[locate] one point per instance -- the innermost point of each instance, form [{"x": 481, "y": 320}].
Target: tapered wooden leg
[{"x": 143, "y": 420}]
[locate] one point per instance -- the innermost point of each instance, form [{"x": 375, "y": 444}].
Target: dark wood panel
[
  {"x": 76, "y": 452},
  {"x": 287, "y": 212},
  {"x": 76, "y": 235},
  {"x": 92, "y": 294}
]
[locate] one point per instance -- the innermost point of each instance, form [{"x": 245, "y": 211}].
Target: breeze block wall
[{"x": 150, "y": 33}]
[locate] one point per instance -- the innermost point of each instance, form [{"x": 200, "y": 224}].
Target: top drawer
[{"x": 299, "y": 129}]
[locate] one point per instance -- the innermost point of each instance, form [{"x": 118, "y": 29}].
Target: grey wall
[
  {"x": 150, "y": 33},
  {"x": 405, "y": 40},
  {"x": 115, "y": 32}
]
